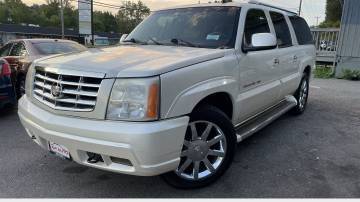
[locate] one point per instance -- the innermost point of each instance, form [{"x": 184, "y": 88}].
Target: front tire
[{"x": 208, "y": 150}]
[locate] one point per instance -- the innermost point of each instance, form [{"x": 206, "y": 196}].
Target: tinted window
[
  {"x": 282, "y": 30},
  {"x": 255, "y": 23},
  {"x": 302, "y": 30},
  {"x": 206, "y": 27},
  {"x": 49, "y": 48},
  {"x": 4, "y": 51},
  {"x": 18, "y": 50}
]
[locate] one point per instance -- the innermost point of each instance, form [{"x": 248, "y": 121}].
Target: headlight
[{"x": 134, "y": 100}]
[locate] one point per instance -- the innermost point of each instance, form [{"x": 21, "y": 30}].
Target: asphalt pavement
[{"x": 313, "y": 155}]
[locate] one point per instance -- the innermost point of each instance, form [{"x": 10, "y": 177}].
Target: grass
[
  {"x": 323, "y": 72},
  {"x": 349, "y": 74}
]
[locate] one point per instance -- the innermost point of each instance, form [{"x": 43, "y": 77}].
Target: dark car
[
  {"x": 21, "y": 53},
  {"x": 7, "y": 90}
]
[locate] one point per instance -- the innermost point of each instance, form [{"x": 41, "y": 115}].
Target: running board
[{"x": 251, "y": 126}]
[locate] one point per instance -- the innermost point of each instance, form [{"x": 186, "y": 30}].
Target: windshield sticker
[{"x": 213, "y": 37}]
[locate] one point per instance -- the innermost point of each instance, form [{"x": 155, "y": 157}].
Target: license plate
[{"x": 59, "y": 150}]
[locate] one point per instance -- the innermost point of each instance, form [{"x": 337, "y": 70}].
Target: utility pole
[
  {"x": 92, "y": 23},
  {"x": 300, "y": 7},
  {"x": 317, "y": 20},
  {"x": 62, "y": 19}
]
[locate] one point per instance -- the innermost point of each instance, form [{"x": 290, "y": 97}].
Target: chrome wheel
[
  {"x": 203, "y": 151},
  {"x": 303, "y": 94}
]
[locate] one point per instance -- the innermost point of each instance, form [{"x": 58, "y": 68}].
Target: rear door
[
  {"x": 259, "y": 79},
  {"x": 288, "y": 58}
]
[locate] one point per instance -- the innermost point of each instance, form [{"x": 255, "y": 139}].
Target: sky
[{"x": 311, "y": 9}]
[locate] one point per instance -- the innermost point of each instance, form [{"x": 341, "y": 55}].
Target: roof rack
[{"x": 271, "y": 6}]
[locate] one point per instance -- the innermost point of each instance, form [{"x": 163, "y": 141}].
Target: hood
[{"x": 132, "y": 60}]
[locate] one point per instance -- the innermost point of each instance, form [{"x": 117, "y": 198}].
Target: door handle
[
  {"x": 295, "y": 58},
  {"x": 276, "y": 61}
]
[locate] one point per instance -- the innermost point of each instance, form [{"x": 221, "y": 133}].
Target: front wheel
[{"x": 208, "y": 149}]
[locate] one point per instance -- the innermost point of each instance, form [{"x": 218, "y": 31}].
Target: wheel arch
[
  {"x": 209, "y": 92},
  {"x": 307, "y": 70},
  {"x": 225, "y": 106}
]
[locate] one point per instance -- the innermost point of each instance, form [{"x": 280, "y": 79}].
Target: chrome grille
[{"x": 64, "y": 91}]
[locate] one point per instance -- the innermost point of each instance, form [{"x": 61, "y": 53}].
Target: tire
[
  {"x": 211, "y": 125},
  {"x": 301, "y": 95},
  {"x": 20, "y": 87}
]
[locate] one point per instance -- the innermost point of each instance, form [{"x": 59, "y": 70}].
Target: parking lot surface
[{"x": 313, "y": 155}]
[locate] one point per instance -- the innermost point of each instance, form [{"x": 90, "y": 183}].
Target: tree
[
  {"x": 13, "y": 11},
  {"x": 132, "y": 14},
  {"x": 333, "y": 13},
  {"x": 105, "y": 22},
  {"x": 48, "y": 15}
]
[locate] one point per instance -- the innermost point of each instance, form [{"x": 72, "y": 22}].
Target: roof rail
[{"x": 271, "y": 6}]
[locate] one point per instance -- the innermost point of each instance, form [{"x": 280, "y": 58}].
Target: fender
[
  {"x": 307, "y": 61},
  {"x": 186, "y": 101}
]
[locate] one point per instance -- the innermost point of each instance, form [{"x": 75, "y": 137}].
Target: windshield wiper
[
  {"x": 132, "y": 40},
  {"x": 156, "y": 42},
  {"x": 179, "y": 41}
]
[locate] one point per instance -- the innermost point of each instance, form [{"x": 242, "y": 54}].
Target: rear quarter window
[{"x": 302, "y": 30}]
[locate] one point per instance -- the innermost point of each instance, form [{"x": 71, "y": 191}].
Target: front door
[{"x": 259, "y": 79}]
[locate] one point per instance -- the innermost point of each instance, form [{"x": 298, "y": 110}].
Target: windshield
[
  {"x": 204, "y": 27},
  {"x": 50, "y": 48}
]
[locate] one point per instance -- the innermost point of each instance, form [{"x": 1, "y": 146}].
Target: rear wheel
[
  {"x": 208, "y": 150},
  {"x": 301, "y": 95}
]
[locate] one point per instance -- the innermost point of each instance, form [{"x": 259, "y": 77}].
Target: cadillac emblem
[{"x": 56, "y": 90}]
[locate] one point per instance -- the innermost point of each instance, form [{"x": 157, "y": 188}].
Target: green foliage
[
  {"x": 330, "y": 24},
  {"x": 131, "y": 16},
  {"x": 48, "y": 15},
  {"x": 323, "y": 72},
  {"x": 333, "y": 14},
  {"x": 351, "y": 74},
  {"x": 333, "y": 10}
]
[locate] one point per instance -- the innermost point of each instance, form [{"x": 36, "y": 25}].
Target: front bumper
[{"x": 152, "y": 148}]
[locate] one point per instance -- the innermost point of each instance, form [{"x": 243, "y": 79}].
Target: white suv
[{"x": 174, "y": 99}]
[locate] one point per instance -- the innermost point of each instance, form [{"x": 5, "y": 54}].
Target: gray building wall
[{"x": 348, "y": 53}]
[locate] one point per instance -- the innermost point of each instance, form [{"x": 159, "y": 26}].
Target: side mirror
[
  {"x": 262, "y": 41},
  {"x": 123, "y": 37}
]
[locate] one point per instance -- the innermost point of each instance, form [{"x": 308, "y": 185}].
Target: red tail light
[{"x": 5, "y": 70}]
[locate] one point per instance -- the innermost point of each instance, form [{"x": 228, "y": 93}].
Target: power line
[
  {"x": 100, "y": 4},
  {"x": 107, "y": 4}
]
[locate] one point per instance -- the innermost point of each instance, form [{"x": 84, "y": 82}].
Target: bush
[
  {"x": 349, "y": 74},
  {"x": 323, "y": 72}
]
